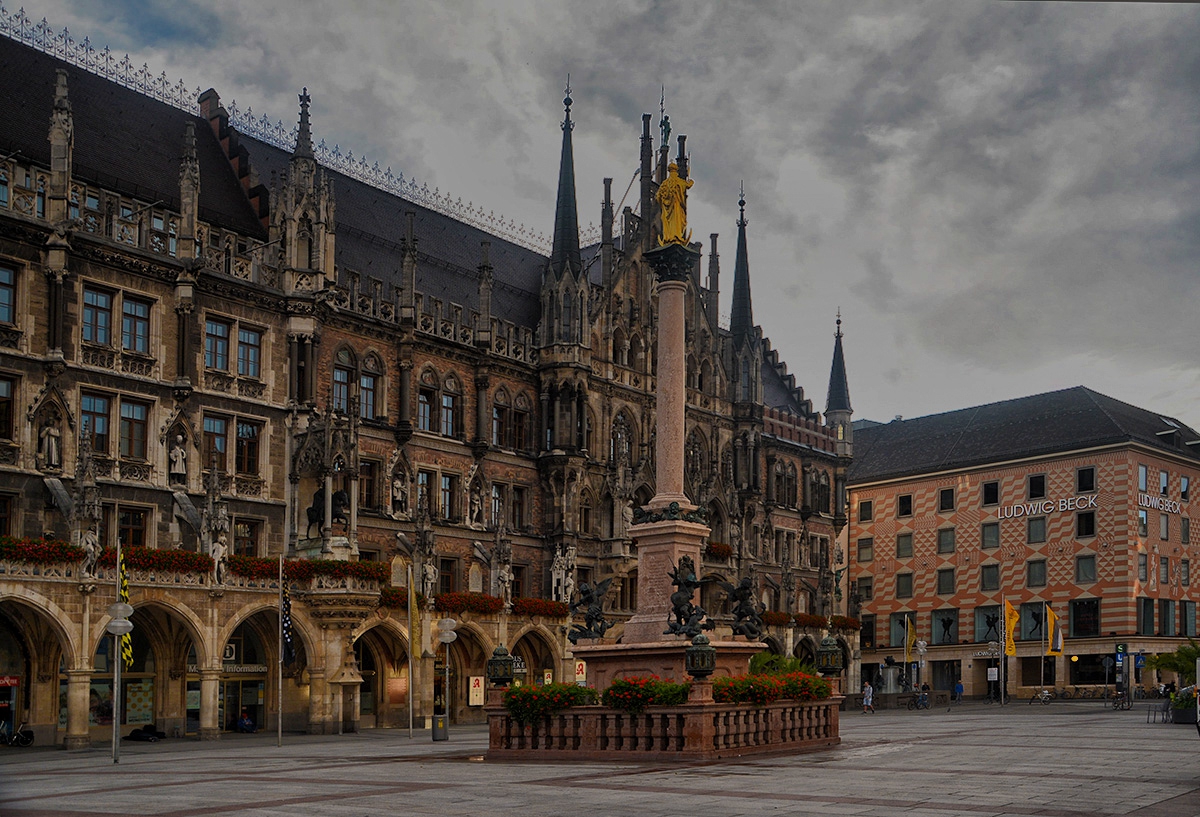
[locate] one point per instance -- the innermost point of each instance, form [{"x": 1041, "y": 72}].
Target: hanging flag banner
[
  {"x": 123, "y": 595},
  {"x": 910, "y": 638},
  {"x": 1055, "y": 644},
  {"x": 1011, "y": 619}
]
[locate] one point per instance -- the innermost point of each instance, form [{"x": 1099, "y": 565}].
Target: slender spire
[
  {"x": 741, "y": 321},
  {"x": 304, "y": 136},
  {"x": 839, "y": 388},
  {"x": 565, "y": 249}
]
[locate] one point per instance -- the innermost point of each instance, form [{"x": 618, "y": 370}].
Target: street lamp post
[{"x": 120, "y": 625}]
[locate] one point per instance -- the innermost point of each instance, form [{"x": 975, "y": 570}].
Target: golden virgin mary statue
[{"x": 672, "y": 198}]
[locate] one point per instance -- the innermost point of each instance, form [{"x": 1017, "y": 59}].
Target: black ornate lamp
[
  {"x": 700, "y": 659},
  {"x": 829, "y": 657},
  {"x": 500, "y": 667}
]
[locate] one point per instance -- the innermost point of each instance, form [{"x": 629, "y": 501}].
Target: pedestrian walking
[
  {"x": 958, "y": 692},
  {"x": 868, "y": 698}
]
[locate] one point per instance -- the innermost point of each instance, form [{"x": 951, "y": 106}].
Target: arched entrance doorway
[
  {"x": 537, "y": 654},
  {"x": 382, "y": 658},
  {"x": 32, "y": 649}
]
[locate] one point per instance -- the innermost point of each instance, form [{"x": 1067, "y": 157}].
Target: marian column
[{"x": 670, "y": 526}]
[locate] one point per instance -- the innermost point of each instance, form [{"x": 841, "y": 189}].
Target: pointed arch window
[
  {"x": 343, "y": 374},
  {"x": 521, "y": 416},
  {"x": 568, "y": 317},
  {"x": 370, "y": 379},
  {"x": 501, "y": 419},
  {"x": 450, "y": 415}
]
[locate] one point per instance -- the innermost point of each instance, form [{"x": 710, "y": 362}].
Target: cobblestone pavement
[{"x": 1068, "y": 759}]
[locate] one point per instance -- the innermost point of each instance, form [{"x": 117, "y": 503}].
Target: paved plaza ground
[{"x": 1068, "y": 759}]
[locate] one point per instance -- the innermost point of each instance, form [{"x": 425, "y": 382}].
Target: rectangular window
[
  {"x": 1085, "y": 618},
  {"x": 425, "y": 410},
  {"x": 520, "y": 430},
  {"x": 866, "y": 588},
  {"x": 1085, "y": 480},
  {"x": 945, "y": 500},
  {"x": 945, "y": 540},
  {"x": 216, "y": 442},
  {"x": 1164, "y": 570},
  {"x": 867, "y": 633},
  {"x": 1185, "y": 530},
  {"x": 448, "y": 504},
  {"x": 366, "y": 396},
  {"x": 904, "y": 506},
  {"x": 1035, "y": 530},
  {"x": 1143, "y": 569},
  {"x": 498, "y": 502},
  {"x": 449, "y": 410},
  {"x": 904, "y": 547},
  {"x": 1142, "y": 478},
  {"x": 499, "y": 426},
  {"x": 339, "y": 397},
  {"x": 1185, "y": 572},
  {"x": 448, "y": 575},
  {"x": 1145, "y": 621},
  {"x": 368, "y": 485},
  {"x": 1037, "y": 486},
  {"x": 1085, "y": 524},
  {"x": 94, "y": 413},
  {"x": 1185, "y": 486},
  {"x": 1032, "y": 614},
  {"x": 6, "y": 515},
  {"x": 7, "y": 396},
  {"x": 991, "y": 493},
  {"x": 866, "y": 549},
  {"x": 1164, "y": 526},
  {"x": 990, "y": 535},
  {"x": 1085, "y": 569},
  {"x": 133, "y": 429},
  {"x": 945, "y": 626},
  {"x": 424, "y": 495},
  {"x": 248, "y": 435},
  {"x": 216, "y": 345},
  {"x": 97, "y": 317},
  {"x": 131, "y": 527},
  {"x": 1035, "y": 573},
  {"x": 866, "y": 510},
  {"x": 989, "y": 577},
  {"x": 904, "y": 585},
  {"x": 516, "y": 509},
  {"x": 1166, "y": 616},
  {"x": 8, "y": 295},
  {"x": 1187, "y": 618},
  {"x": 987, "y": 623},
  {"x": 135, "y": 326},
  {"x": 1162, "y": 482},
  {"x": 249, "y": 361},
  {"x": 898, "y": 624},
  {"x": 945, "y": 581},
  {"x": 1143, "y": 523},
  {"x": 245, "y": 537}
]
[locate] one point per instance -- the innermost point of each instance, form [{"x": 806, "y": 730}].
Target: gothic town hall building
[{"x": 219, "y": 341}]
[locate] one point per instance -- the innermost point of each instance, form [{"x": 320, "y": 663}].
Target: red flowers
[
  {"x": 633, "y": 695},
  {"x": 480, "y": 603},
  {"x": 765, "y": 689},
  {"x": 844, "y": 623},
  {"x": 540, "y": 607},
  {"x": 810, "y": 621},
  {"x": 775, "y": 618},
  {"x": 38, "y": 551},
  {"x": 528, "y": 704},
  {"x": 718, "y": 550},
  {"x": 171, "y": 561}
]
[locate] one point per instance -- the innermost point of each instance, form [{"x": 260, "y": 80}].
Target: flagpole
[
  {"x": 1004, "y": 650},
  {"x": 279, "y": 675},
  {"x": 411, "y": 605},
  {"x": 119, "y": 658},
  {"x": 1043, "y": 656}
]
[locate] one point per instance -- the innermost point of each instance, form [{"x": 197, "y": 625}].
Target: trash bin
[{"x": 440, "y": 732}]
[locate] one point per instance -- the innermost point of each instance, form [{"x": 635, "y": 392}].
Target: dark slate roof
[
  {"x": 741, "y": 316},
  {"x": 124, "y": 141},
  {"x": 776, "y": 393},
  {"x": 1038, "y": 425},
  {"x": 838, "y": 397}
]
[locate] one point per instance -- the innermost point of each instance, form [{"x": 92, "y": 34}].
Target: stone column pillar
[
  {"x": 79, "y": 687},
  {"x": 210, "y": 683},
  {"x": 327, "y": 525}
]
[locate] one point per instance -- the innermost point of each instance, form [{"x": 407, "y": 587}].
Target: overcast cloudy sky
[{"x": 1003, "y": 198}]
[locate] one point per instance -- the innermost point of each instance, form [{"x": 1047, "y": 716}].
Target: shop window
[
  {"x": 904, "y": 545},
  {"x": 987, "y": 623},
  {"x": 1145, "y": 621},
  {"x": 1166, "y": 617},
  {"x": 991, "y": 493},
  {"x": 898, "y": 624},
  {"x": 1187, "y": 619},
  {"x": 1085, "y": 480},
  {"x": 1085, "y": 618},
  {"x": 1085, "y": 568},
  {"x": 1032, "y": 621},
  {"x": 1037, "y": 671},
  {"x": 945, "y": 540},
  {"x": 989, "y": 535},
  {"x": 904, "y": 505},
  {"x": 945, "y": 626},
  {"x": 1036, "y": 486}
]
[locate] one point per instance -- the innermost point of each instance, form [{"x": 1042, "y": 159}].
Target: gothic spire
[
  {"x": 304, "y": 147},
  {"x": 565, "y": 249},
  {"x": 741, "y": 321},
  {"x": 839, "y": 389}
]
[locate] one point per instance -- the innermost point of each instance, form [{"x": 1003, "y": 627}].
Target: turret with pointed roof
[
  {"x": 839, "y": 390},
  {"x": 564, "y": 253},
  {"x": 741, "y": 320}
]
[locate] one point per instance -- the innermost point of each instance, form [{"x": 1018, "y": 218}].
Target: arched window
[
  {"x": 370, "y": 381},
  {"x": 585, "y": 515},
  {"x": 620, "y": 348},
  {"x": 450, "y": 418},
  {"x": 522, "y": 417},
  {"x": 354, "y": 379},
  {"x": 343, "y": 374},
  {"x": 567, "y": 330},
  {"x": 427, "y": 398},
  {"x": 501, "y": 419}
]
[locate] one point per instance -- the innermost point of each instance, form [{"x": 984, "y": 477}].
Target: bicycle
[
  {"x": 22, "y": 737},
  {"x": 1121, "y": 701},
  {"x": 1064, "y": 693},
  {"x": 1045, "y": 696},
  {"x": 919, "y": 701}
]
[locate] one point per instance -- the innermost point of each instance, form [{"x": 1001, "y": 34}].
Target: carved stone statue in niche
[
  {"x": 50, "y": 444},
  {"x": 90, "y": 543},
  {"x": 178, "y": 461},
  {"x": 399, "y": 494}
]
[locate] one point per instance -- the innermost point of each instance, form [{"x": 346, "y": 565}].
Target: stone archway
[
  {"x": 468, "y": 659},
  {"x": 538, "y": 653},
  {"x": 32, "y": 649},
  {"x": 381, "y": 653}
]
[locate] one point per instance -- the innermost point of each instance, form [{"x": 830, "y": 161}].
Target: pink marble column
[{"x": 671, "y": 398}]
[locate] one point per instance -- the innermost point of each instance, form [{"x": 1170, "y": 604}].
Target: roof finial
[
  {"x": 664, "y": 121},
  {"x": 742, "y": 222},
  {"x": 304, "y": 135},
  {"x": 567, "y": 123},
  {"x": 838, "y": 334}
]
